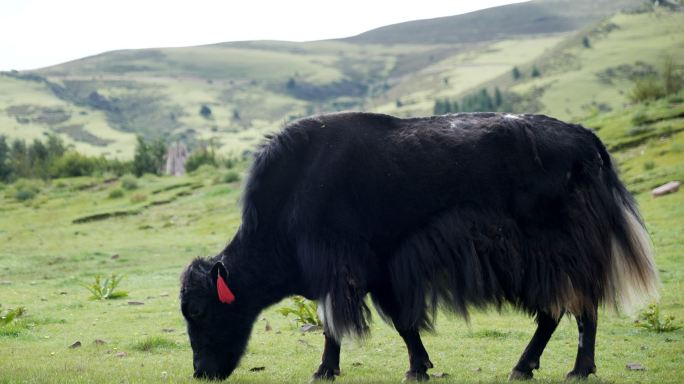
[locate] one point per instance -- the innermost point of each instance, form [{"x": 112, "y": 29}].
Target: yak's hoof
[
  {"x": 415, "y": 376},
  {"x": 325, "y": 373},
  {"x": 580, "y": 374},
  {"x": 520, "y": 375}
]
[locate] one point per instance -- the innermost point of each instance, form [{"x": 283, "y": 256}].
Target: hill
[{"x": 233, "y": 93}]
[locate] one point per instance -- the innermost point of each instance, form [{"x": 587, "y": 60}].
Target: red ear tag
[{"x": 224, "y": 293}]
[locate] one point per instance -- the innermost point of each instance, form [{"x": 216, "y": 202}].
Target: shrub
[
  {"x": 303, "y": 310},
  {"x": 649, "y": 165},
  {"x": 231, "y": 177},
  {"x": 74, "y": 164},
  {"x": 24, "y": 194},
  {"x": 200, "y": 157},
  {"x": 116, "y": 193},
  {"x": 129, "y": 182},
  {"x": 645, "y": 89},
  {"x": 651, "y": 320},
  {"x": 105, "y": 289}
]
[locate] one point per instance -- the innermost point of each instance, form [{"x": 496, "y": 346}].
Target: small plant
[
  {"x": 24, "y": 194},
  {"x": 9, "y": 315},
  {"x": 651, "y": 320},
  {"x": 116, "y": 193},
  {"x": 153, "y": 343},
  {"x": 303, "y": 310},
  {"x": 129, "y": 182},
  {"x": 106, "y": 289},
  {"x": 648, "y": 165}
]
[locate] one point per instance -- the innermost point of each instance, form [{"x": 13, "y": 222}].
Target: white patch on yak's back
[{"x": 512, "y": 116}]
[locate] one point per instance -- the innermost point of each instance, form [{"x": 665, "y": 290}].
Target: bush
[
  {"x": 74, "y": 164},
  {"x": 25, "y": 189},
  {"x": 116, "y": 193},
  {"x": 129, "y": 182},
  {"x": 200, "y": 157},
  {"x": 231, "y": 177},
  {"x": 639, "y": 118},
  {"x": 24, "y": 194},
  {"x": 645, "y": 89},
  {"x": 649, "y": 165}
]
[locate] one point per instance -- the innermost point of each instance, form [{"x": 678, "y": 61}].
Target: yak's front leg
[
  {"x": 529, "y": 360},
  {"x": 584, "y": 363},
  {"x": 419, "y": 361},
  {"x": 330, "y": 362}
]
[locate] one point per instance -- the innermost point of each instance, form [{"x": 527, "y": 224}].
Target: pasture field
[{"x": 46, "y": 258}]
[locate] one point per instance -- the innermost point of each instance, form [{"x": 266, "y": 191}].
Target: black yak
[{"x": 458, "y": 210}]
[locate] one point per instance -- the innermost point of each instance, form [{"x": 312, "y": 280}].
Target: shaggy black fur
[{"x": 457, "y": 210}]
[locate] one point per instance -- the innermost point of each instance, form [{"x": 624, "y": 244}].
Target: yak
[{"x": 457, "y": 211}]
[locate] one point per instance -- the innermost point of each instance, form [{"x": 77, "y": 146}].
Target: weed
[
  {"x": 649, "y": 165},
  {"x": 651, "y": 320},
  {"x": 138, "y": 197},
  {"x": 303, "y": 310},
  {"x": 9, "y": 315},
  {"x": 646, "y": 88},
  {"x": 106, "y": 289},
  {"x": 153, "y": 343},
  {"x": 639, "y": 118}
]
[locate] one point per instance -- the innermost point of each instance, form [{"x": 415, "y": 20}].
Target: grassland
[{"x": 46, "y": 258}]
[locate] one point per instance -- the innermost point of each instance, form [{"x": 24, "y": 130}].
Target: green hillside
[{"x": 233, "y": 93}]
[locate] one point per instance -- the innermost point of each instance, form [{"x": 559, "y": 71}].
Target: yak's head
[{"x": 218, "y": 317}]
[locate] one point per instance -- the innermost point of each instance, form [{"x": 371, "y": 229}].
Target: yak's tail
[{"x": 632, "y": 279}]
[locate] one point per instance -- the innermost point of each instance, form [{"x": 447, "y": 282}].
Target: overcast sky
[{"x": 39, "y": 33}]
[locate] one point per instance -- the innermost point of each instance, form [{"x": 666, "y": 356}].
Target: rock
[
  {"x": 75, "y": 345},
  {"x": 356, "y": 364},
  {"x": 672, "y": 186},
  {"x": 63, "y": 292},
  {"x": 309, "y": 328},
  {"x": 268, "y": 328},
  {"x": 136, "y": 303},
  {"x": 121, "y": 354},
  {"x": 439, "y": 375},
  {"x": 257, "y": 369},
  {"x": 478, "y": 369},
  {"x": 163, "y": 294},
  {"x": 99, "y": 342},
  {"x": 635, "y": 367},
  {"x": 168, "y": 330},
  {"x": 115, "y": 256}
]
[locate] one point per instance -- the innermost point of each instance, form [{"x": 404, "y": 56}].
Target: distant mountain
[
  {"x": 232, "y": 93},
  {"x": 529, "y": 18}
]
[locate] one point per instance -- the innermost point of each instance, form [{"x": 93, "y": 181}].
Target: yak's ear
[{"x": 219, "y": 275}]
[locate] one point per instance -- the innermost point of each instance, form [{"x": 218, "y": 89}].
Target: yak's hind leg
[
  {"x": 529, "y": 360},
  {"x": 330, "y": 362},
  {"x": 584, "y": 363},
  {"x": 419, "y": 361}
]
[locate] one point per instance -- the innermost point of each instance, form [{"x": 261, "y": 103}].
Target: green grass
[{"x": 46, "y": 259}]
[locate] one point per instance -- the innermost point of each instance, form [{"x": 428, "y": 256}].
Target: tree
[
  {"x": 515, "y": 73},
  {"x": 205, "y": 111},
  {"x": 5, "y": 169},
  {"x": 498, "y": 99},
  {"x": 148, "y": 158},
  {"x": 535, "y": 72}
]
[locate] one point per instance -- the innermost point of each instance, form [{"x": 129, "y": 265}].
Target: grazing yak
[{"x": 453, "y": 211}]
